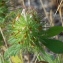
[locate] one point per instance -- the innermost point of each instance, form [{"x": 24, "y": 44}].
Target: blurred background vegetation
[{"x": 31, "y": 31}]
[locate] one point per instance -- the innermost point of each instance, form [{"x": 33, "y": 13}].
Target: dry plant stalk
[
  {"x": 23, "y": 4},
  {"x": 3, "y": 36},
  {"x": 4, "y": 48},
  {"x": 46, "y": 14},
  {"x": 51, "y": 19},
  {"x": 60, "y": 5},
  {"x": 29, "y": 6}
]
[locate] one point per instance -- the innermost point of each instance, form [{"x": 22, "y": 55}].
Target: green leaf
[
  {"x": 53, "y": 31},
  {"x": 13, "y": 50},
  {"x": 54, "y": 45},
  {"x": 13, "y": 40}
]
